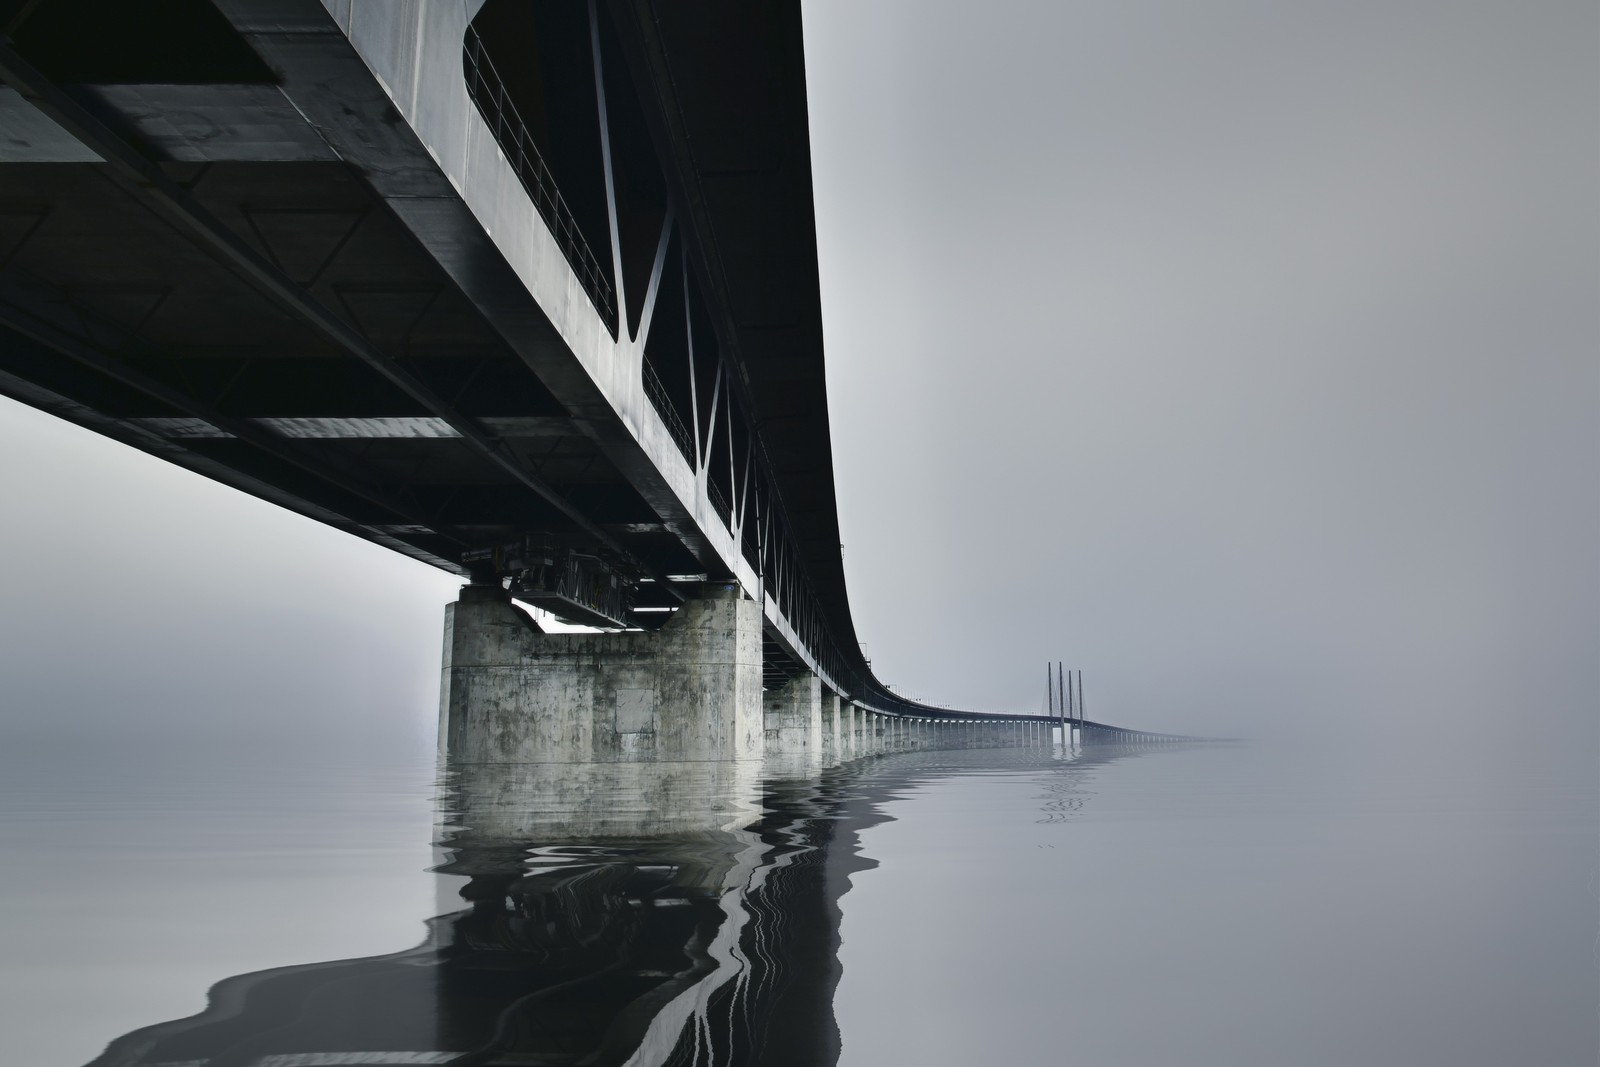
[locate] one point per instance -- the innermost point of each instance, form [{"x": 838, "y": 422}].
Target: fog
[
  {"x": 142, "y": 604},
  {"x": 1240, "y": 355}
]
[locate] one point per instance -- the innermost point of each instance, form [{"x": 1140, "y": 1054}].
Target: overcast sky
[{"x": 1241, "y": 354}]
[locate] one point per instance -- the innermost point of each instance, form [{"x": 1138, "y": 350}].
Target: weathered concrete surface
[
  {"x": 830, "y": 727},
  {"x": 794, "y": 736},
  {"x": 689, "y": 692},
  {"x": 792, "y": 716}
]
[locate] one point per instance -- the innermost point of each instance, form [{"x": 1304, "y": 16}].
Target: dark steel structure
[{"x": 516, "y": 289}]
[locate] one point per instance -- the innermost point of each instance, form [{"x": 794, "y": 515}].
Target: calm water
[{"x": 1234, "y": 905}]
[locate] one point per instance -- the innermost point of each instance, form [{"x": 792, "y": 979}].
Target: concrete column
[
  {"x": 863, "y": 747},
  {"x": 830, "y": 727},
  {"x": 792, "y": 716},
  {"x": 690, "y": 691}
]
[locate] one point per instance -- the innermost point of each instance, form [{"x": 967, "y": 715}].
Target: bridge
[{"x": 527, "y": 292}]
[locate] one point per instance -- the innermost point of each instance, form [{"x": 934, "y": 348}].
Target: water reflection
[{"x": 665, "y": 914}]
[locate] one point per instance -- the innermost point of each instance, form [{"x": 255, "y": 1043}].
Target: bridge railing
[
  {"x": 488, "y": 92},
  {"x": 657, "y": 395}
]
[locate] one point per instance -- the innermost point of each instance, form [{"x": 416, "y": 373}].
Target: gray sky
[
  {"x": 1243, "y": 355},
  {"x": 140, "y": 601}
]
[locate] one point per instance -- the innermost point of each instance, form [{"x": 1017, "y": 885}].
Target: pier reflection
[
  {"x": 600, "y": 914},
  {"x": 638, "y": 914}
]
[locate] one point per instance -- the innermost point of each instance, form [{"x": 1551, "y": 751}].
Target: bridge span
[{"x": 527, "y": 292}]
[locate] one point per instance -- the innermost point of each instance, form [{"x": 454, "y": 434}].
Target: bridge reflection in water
[{"x": 709, "y": 938}]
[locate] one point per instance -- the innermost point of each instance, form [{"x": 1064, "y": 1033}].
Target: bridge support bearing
[{"x": 690, "y": 691}]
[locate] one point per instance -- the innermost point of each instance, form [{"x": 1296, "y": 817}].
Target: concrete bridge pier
[
  {"x": 604, "y": 735},
  {"x": 690, "y": 691},
  {"x": 793, "y": 724},
  {"x": 830, "y": 728}
]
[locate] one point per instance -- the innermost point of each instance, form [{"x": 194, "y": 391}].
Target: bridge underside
[
  {"x": 527, "y": 292},
  {"x": 220, "y": 243},
  {"x": 193, "y": 269}
]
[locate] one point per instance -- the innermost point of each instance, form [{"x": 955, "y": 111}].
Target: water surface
[{"x": 1221, "y": 904}]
